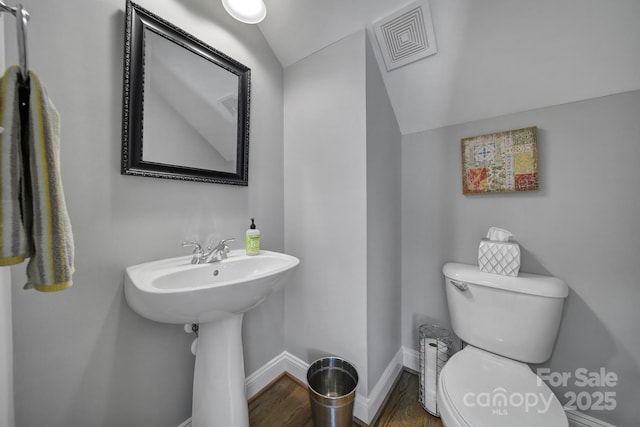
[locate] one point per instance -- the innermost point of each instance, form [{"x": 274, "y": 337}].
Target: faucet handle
[
  {"x": 223, "y": 246},
  {"x": 197, "y": 248},
  {"x": 198, "y": 253}
]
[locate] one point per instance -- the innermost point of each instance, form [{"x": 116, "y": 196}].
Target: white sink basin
[
  {"x": 216, "y": 296},
  {"x": 175, "y": 291}
]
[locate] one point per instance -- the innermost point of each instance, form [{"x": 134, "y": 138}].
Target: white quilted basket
[{"x": 499, "y": 257}]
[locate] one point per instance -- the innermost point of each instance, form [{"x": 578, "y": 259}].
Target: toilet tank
[{"x": 516, "y": 317}]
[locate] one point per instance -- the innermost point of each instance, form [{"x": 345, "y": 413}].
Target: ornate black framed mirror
[{"x": 185, "y": 105}]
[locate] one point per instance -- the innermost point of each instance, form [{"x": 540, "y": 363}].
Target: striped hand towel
[
  {"x": 35, "y": 223},
  {"x": 50, "y": 266},
  {"x": 13, "y": 240}
]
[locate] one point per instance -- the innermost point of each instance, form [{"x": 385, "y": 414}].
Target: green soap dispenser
[{"x": 253, "y": 239}]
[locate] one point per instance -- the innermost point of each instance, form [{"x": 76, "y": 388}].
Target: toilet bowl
[
  {"x": 506, "y": 322},
  {"x": 477, "y": 389}
]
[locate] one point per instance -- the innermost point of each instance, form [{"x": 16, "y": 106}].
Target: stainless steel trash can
[{"x": 332, "y": 390}]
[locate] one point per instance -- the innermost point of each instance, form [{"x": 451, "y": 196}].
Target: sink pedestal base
[{"x": 219, "y": 397}]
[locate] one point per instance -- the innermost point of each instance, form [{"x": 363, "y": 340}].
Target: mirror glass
[{"x": 185, "y": 105}]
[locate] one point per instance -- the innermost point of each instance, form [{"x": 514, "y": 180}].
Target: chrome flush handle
[{"x": 460, "y": 285}]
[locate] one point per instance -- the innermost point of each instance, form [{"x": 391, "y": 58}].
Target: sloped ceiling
[{"x": 494, "y": 56}]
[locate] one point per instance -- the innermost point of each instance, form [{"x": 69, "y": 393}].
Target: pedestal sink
[{"x": 216, "y": 296}]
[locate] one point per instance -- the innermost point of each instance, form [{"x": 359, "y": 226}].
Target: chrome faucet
[
  {"x": 197, "y": 251},
  {"x": 220, "y": 252}
]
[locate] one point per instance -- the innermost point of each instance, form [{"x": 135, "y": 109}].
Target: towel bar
[{"x": 23, "y": 17}]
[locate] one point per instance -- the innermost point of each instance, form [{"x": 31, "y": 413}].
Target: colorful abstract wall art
[{"x": 500, "y": 162}]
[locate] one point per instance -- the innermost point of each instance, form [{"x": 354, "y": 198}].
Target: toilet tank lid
[{"x": 525, "y": 283}]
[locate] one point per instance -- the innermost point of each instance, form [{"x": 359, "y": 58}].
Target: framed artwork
[{"x": 500, "y": 162}]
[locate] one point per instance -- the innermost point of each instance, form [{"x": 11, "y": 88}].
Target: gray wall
[
  {"x": 82, "y": 357},
  {"x": 342, "y": 209},
  {"x": 582, "y": 226},
  {"x": 326, "y": 204},
  {"x": 383, "y": 224}
]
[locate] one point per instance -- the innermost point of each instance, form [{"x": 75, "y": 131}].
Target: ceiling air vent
[{"x": 406, "y": 35}]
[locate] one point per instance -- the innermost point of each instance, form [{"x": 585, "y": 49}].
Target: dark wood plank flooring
[{"x": 286, "y": 403}]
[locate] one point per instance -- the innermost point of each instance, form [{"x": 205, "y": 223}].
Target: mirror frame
[{"x": 138, "y": 20}]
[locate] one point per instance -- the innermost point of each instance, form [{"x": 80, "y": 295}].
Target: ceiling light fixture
[{"x": 247, "y": 11}]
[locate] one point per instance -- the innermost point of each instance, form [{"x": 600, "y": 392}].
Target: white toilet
[{"x": 506, "y": 322}]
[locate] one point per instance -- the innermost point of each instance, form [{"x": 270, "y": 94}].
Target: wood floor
[{"x": 286, "y": 403}]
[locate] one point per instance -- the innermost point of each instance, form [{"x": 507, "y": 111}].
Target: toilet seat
[{"x": 477, "y": 389}]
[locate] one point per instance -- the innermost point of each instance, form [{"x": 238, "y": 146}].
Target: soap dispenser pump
[{"x": 253, "y": 239}]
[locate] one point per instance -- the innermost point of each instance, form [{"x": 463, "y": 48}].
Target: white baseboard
[
  {"x": 293, "y": 366},
  {"x": 410, "y": 358},
  {"x": 284, "y": 362},
  {"x": 365, "y": 408}
]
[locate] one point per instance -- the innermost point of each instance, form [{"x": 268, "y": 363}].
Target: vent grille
[{"x": 406, "y": 36}]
